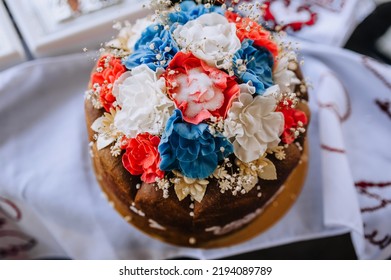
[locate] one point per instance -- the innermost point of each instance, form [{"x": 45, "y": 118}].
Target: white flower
[
  {"x": 211, "y": 38},
  {"x": 199, "y": 94},
  {"x": 253, "y": 124},
  {"x": 144, "y": 105},
  {"x": 249, "y": 182},
  {"x": 220, "y": 173},
  {"x": 187, "y": 186},
  {"x": 283, "y": 76},
  {"x": 225, "y": 185},
  {"x": 107, "y": 133},
  {"x": 129, "y": 35},
  {"x": 278, "y": 152},
  {"x": 263, "y": 168}
]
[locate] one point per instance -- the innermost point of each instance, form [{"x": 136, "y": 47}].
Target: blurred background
[
  {"x": 32, "y": 29},
  {"x": 373, "y": 36}
]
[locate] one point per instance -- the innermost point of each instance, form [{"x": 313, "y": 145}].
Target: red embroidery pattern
[
  {"x": 334, "y": 107},
  {"x": 331, "y": 149},
  {"x": 373, "y": 237},
  {"x": 295, "y": 25},
  {"x": 363, "y": 187},
  {"x": 20, "y": 242},
  {"x": 17, "y": 215},
  {"x": 382, "y": 243},
  {"x": 24, "y": 244},
  {"x": 385, "y": 106},
  {"x": 368, "y": 63}
]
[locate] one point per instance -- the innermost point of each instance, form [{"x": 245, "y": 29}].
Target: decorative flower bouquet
[{"x": 201, "y": 93}]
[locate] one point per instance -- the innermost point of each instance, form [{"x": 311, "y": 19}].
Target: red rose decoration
[
  {"x": 142, "y": 157},
  {"x": 111, "y": 69},
  {"x": 249, "y": 29},
  {"x": 198, "y": 90},
  {"x": 293, "y": 118}
]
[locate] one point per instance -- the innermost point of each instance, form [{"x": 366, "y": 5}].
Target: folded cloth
[
  {"x": 353, "y": 96},
  {"x": 49, "y": 195},
  {"x": 329, "y": 22}
]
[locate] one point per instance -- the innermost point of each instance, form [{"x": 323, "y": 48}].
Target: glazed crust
[{"x": 186, "y": 222}]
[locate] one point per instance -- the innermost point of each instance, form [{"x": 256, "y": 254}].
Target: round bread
[
  {"x": 206, "y": 224},
  {"x": 220, "y": 218}
]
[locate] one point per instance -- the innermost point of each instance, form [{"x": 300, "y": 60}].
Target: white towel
[{"x": 330, "y": 22}]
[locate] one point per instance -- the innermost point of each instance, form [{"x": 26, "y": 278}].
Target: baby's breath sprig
[
  {"x": 116, "y": 150},
  {"x": 93, "y": 96},
  {"x": 278, "y": 151},
  {"x": 216, "y": 125},
  {"x": 163, "y": 184}
]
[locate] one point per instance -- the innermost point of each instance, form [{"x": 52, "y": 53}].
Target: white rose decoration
[
  {"x": 253, "y": 124},
  {"x": 210, "y": 38},
  {"x": 107, "y": 134},
  {"x": 144, "y": 105},
  {"x": 283, "y": 76}
]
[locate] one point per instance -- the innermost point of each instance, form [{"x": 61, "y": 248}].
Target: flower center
[
  {"x": 197, "y": 89},
  {"x": 200, "y": 86}
]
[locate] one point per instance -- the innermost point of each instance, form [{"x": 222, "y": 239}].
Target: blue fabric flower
[
  {"x": 190, "y": 10},
  {"x": 191, "y": 149},
  {"x": 255, "y": 65},
  {"x": 155, "y": 48}
]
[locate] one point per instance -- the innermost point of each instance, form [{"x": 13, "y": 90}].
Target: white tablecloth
[{"x": 51, "y": 205}]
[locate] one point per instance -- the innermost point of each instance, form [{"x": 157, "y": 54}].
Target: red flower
[
  {"x": 198, "y": 90},
  {"x": 249, "y": 29},
  {"x": 142, "y": 157},
  {"x": 112, "y": 69},
  {"x": 293, "y": 118}
]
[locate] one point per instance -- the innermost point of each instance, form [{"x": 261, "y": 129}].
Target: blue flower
[
  {"x": 255, "y": 65},
  {"x": 191, "y": 149},
  {"x": 155, "y": 48},
  {"x": 190, "y": 10}
]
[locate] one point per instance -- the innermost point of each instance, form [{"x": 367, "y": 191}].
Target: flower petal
[
  {"x": 103, "y": 142},
  {"x": 269, "y": 171},
  {"x": 201, "y": 168}
]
